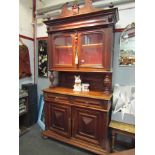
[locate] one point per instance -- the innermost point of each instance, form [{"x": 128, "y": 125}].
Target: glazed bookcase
[{"x": 80, "y": 44}]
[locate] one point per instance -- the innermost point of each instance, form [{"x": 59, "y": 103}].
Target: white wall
[
  {"x": 46, "y": 3},
  {"x": 25, "y": 18},
  {"x": 41, "y": 31},
  {"x": 26, "y": 29},
  {"x": 126, "y": 15}
]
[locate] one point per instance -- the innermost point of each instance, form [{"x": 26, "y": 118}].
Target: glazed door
[
  {"x": 94, "y": 49},
  {"x": 60, "y": 119},
  {"x": 87, "y": 125},
  {"x": 91, "y": 49},
  {"x": 62, "y": 47}
]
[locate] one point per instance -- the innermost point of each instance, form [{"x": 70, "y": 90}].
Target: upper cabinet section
[{"x": 82, "y": 41}]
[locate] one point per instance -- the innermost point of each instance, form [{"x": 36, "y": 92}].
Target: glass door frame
[
  {"x": 63, "y": 34},
  {"x": 100, "y": 31}
]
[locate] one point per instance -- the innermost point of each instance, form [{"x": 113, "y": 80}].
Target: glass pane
[
  {"x": 92, "y": 48},
  {"x": 63, "y": 50},
  {"x": 127, "y": 46}
]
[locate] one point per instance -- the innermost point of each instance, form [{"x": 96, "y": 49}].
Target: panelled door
[
  {"x": 87, "y": 125},
  {"x": 60, "y": 119}
]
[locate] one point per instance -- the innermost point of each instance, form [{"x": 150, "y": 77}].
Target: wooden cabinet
[
  {"x": 78, "y": 119},
  {"x": 80, "y": 44}
]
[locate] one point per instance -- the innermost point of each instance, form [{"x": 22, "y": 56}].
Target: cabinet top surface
[{"x": 90, "y": 94}]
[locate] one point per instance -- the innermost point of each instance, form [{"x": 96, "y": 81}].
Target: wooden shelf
[
  {"x": 91, "y": 45},
  {"x": 68, "y": 91},
  {"x": 80, "y": 70},
  {"x": 58, "y": 46}
]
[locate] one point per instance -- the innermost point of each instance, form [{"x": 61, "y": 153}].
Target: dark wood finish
[
  {"x": 75, "y": 142},
  {"x": 26, "y": 37},
  {"x": 107, "y": 84},
  {"x": 67, "y": 91},
  {"x": 82, "y": 119},
  {"x": 93, "y": 22},
  {"x": 51, "y": 78},
  {"x": 88, "y": 20},
  {"x": 88, "y": 125},
  {"x": 42, "y": 38},
  {"x": 80, "y": 43},
  {"x": 60, "y": 119},
  {"x": 106, "y": 49},
  {"x": 119, "y": 29},
  {"x": 97, "y": 81}
]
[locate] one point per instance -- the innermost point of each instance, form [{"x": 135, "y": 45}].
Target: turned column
[
  {"x": 107, "y": 83},
  {"x": 51, "y": 78}
]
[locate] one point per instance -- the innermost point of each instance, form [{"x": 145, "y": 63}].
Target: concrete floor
[{"x": 32, "y": 143}]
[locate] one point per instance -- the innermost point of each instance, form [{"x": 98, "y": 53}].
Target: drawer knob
[{"x": 56, "y": 98}]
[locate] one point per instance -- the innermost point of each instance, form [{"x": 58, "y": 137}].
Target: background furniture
[
  {"x": 23, "y": 109},
  {"x": 80, "y": 45},
  {"x": 32, "y": 114},
  {"x": 121, "y": 128}
]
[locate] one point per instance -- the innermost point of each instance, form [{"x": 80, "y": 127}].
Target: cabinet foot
[{"x": 44, "y": 137}]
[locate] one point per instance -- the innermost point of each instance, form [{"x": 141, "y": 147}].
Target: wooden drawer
[
  {"x": 58, "y": 98},
  {"x": 92, "y": 103}
]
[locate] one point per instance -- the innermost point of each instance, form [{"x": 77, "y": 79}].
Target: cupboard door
[
  {"x": 87, "y": 125},
  {"x": 95, "y": 49},
  {"x": 60, "y": 119},
  {"x": 92, "y": 49},
  {"x": 62, "y": 50}
]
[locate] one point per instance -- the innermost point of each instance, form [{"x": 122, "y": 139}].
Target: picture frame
[
  {"x": 41, "y": 118},
  {"x": 42, "y": 58}
]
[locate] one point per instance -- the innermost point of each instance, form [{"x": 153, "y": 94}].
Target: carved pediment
[{"x": 66, "y": 12}]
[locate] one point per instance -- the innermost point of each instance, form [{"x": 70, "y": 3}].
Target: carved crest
[{"x": 65, "y": 12}]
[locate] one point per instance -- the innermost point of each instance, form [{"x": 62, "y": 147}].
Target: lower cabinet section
[{"x": 85, "y": 127}]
